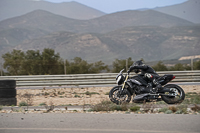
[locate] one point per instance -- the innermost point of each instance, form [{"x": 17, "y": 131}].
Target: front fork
[{"x": 121, "y": 90}]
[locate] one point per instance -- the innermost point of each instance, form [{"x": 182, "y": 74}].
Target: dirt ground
[{"x": 74, "y": 96}]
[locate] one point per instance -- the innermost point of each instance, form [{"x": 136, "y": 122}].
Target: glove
[{"x": 136, "y": 71}]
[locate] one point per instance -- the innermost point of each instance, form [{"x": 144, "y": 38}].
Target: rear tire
[
  {"x": 174, "y": 99},
  {"x": 119, "y": 99}
]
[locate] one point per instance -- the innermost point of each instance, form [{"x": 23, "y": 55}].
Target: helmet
[{"x": 138, "y": 63}]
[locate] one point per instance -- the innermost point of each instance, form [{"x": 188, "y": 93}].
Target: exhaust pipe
[{"x": 140, "y": 97}]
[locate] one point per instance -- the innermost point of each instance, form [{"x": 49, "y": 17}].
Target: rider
[{"x": 148, "y": 72}]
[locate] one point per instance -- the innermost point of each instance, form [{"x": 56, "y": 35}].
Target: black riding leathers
[{"x": 148, "y": 73}]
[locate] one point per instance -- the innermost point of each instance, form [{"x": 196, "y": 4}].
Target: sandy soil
[{"x": 74, "y": 96}]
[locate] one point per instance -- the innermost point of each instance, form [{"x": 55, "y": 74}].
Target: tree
[
  {"x": 14, "y": 62},
  {"x": 78, "y": 66},
  {"x": 160, "y": 67},
  {"x": 99, "y": 66},
  {"x": 177, "y": 67},
  {"x": 121, "y": 64},
  {"x": 33, "y": 63},
  {"x": 197, "y": 65},
  {"x": 50, "y": 61}
]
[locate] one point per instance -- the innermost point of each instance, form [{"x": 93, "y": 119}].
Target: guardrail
[{"x": 91, "y": 79}]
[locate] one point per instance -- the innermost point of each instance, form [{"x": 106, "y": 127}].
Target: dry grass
[{"x": 75, "y": 96}]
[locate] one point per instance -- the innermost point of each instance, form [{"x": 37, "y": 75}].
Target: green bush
[
  {"x": 42, "y": 104},
  {"x": 192, "y": 98},
  {"x": 178, "y": 112},
  {"x": 195, "y": 99},
  {"x": 91, "y": 93},
  {"x": 117, "y": 107},
  {"x": 23, "y": 103},
  {"x": 163, "y": 109},
  {"x": 168, "y": 112},
  {"x": 182, "y": 108},
  {"x": 135, "y": 108},
  {"x": 107, "y": 93},
  {"x": 76, "y": 95},
  {"x": 103, "y": 106}
]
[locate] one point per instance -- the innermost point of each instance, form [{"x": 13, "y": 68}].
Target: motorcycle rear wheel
[
  {"x": 115, "y": 97},
  {"x": 179, "y": 94}
]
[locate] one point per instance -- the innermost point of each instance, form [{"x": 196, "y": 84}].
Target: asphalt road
[{"x": 98, "y": 123}]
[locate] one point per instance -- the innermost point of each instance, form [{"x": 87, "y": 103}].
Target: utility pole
[
  {"x": 126, "y": 64},
  {"x": 192, "y": 63},
  {"x": 65, "y": 67}
]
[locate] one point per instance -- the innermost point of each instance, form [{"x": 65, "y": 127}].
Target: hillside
[
  {"x": 138, "y": 34},
  {"x": 14, "y": 8},
  {"x": 136, "y": 18},
  {"x": 188, "y": 10},
  {"x": 45, "y": 20},
  {"x": 148, "y": 42}
]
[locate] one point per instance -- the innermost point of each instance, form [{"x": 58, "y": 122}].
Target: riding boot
[
  {"x": 158, "y": 85},
  {"x": 151, "y": 89}
]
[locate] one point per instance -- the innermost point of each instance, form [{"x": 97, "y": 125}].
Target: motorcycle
[{"x": 144, "y": 91}]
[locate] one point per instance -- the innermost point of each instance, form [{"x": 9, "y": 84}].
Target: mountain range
[
  {"x": 147, "y": 34},
  {"x": 188, "y": 10},
  {"x": 14, "y": 8}
]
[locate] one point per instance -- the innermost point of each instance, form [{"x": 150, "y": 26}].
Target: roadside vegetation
[
  {"x": 192, "y": 98},
  {"x": 189, "y": 106},
  {"x": 107, "y": 106},
  {"x": 47, "y": 62}
]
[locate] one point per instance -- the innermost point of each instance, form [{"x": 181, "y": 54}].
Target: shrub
[
  {"x": 23, "y": 103},
  {"x": 91, "y": 93},
  {"x": 107, "y": 93},
  {"x": 76, "y": 95},
  {"x": 109, "y": 106},
  {"x": 46, "y": 93},
  {"x": 168, "y": 112},
  {"x": 195, "y": 108},
  {"x": 42, "y": 104},
  {"x": 182, "y": 108},
  {"x": 103, "y": 106},
  {"x": 122, "y": 107},
  {"x": 117, "y": 107},
  {"x": 173, "y": 109},
  {"x": 149, "y": 107},
  {"x": 178, "y": 112},
  {"x": 163, "y": 109},
  {"x": 195, "y": 99},
  {"x": 135, "y": 108},
  {"x": 1, "y": 108},
  {"x": 192, "y": 98}
]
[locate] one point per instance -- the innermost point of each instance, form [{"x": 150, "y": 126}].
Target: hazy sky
[{"x": 110, "y": 6}]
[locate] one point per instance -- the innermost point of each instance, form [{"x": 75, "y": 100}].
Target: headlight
[{"x": 118, "y": 79}]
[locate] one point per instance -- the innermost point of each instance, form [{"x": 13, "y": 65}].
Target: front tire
[
  {"x": 179, "y": 94},
  {"x": 115, "y": 97}
]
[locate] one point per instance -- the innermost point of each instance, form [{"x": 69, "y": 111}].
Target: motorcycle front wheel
[
  {"x": 118, "y": 98},
  {"x": 177, "y": 91}
]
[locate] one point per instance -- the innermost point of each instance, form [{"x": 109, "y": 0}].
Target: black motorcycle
[{"x": 143, "y": 91}]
